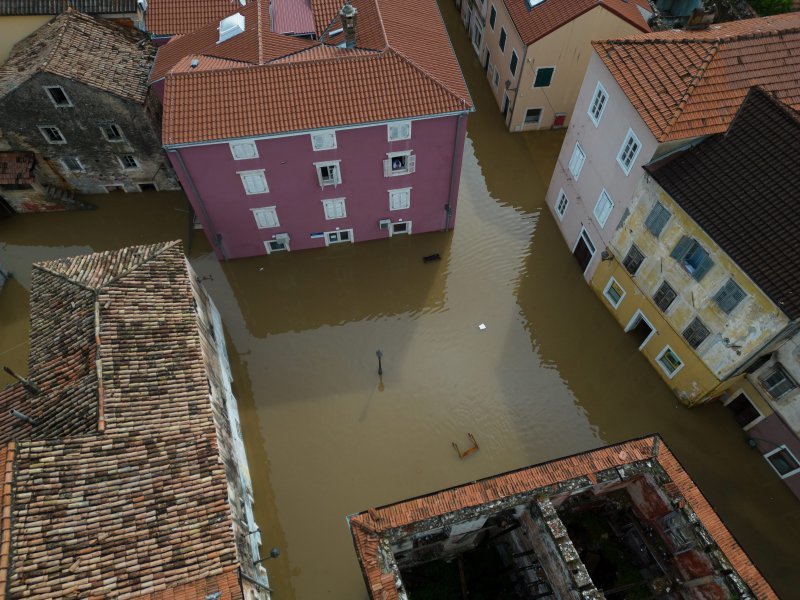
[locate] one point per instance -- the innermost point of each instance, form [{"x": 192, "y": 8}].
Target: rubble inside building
[{"x": 623, "y": 521}]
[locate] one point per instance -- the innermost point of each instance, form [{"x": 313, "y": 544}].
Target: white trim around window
[
  {"x": 324, "y": 140},
  {"x": 399, "y": 163},
  {"x": 254, "y": 182},
  {"x": 400, "y": 228},
  {"x": 279, "y": 243},
  {"x": 617, "y": 292},
  {"x": 398, "y": 130},
  {"x": 576, "y": 161},
  {"x": 340, "y": 236},
  {"x": 79, "y": 168},
  {"x": 663, "y": 364},
  {"x": 58, "y": 98},
  {"x": 334, "y": 208},
  {"x": 266, "y": 217},
  {"x": 603, "y": 208},
  {"x": 400, "y": 199},
  {"x": 597, "y": 104},
  {"x": 128, "y": 162},
  {"x": 243, "y": 149},
  {"x": 639, "y": 316},
  {"x": 562, "y": 202},
  {"x": 112, "y": 132},
  {"x": 783, "y": 448},
  {"x": 328, "y": 173},
  {"x": 536, "y": 75},
  {"x": 52, "y": 134},
  {"x": 628, "y": 152}
]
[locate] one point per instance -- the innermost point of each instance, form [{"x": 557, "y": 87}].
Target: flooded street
[{"x": 551, "y": 374}]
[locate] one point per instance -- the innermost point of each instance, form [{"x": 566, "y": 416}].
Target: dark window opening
[
  {"x": 533, "y": 115},
  {"x": 544, "y": 76},
  {"x": 633, "y": 260},
  {"x": 664, "y": 296}
]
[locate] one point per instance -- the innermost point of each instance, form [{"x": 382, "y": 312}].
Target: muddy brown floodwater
[{"x": 551, "y": 374}]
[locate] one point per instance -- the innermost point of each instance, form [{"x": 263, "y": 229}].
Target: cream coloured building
[{"x": 535, "y": 53}]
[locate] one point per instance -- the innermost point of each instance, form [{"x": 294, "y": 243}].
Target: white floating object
[{"x": 482, "y": 326}]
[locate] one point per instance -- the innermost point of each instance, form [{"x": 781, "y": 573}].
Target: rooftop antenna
[{"x": 29, "y": 386}]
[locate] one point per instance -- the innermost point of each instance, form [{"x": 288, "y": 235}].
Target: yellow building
[
  {"x": 690, "y": 274},
  {"x": 535, "y": 53},
  {"x": 19, "y": 19}
]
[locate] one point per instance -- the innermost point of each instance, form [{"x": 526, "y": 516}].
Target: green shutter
[
  {"x": 703, "y": 268},
  {"x": 680, "y": 251}
]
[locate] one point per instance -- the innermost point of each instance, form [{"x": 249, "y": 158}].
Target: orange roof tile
[
  {"x": 177, "y": 17},
  {"x": 533, "y": 24},
  {"x": 690, "y": 83},
  {"x": 366, "y": 529},
  {"x": 300, "y": 85}
]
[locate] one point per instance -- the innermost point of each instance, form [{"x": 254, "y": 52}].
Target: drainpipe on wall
[
  {"x": 519, "y": 82},
  {"x": 448, "y": 208},
  {"x": 216, "y": 239}
]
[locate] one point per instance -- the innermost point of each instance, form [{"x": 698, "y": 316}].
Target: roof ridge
[
  {"x": 62, "y": 28},
  {"x": 712, "y": 53},
  {"x": 380, "y": 20},
  {"x": 392, "y": 49},
  {"x": 118, "y": 276},
  {"x": 720, "y": 39}
]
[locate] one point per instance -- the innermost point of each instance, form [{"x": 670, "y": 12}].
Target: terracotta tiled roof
[
  {"x": 742, "y": 187},
  {"x": 56, "y": 7},
  {"x": 256, "y": 46},
  {"x": 179, "y": 17},
  {"x": 325, "y": 13},
  {"x": 16, "y": 168},
  {"x": 533, "y": 24},
  {"x": 690, "y": 83},
  {"x": 367, "y": 526},
  {"x": 125, "y": 494},
  {"x": 298, "y": 89},
  {"x": 91, "y": 50}
]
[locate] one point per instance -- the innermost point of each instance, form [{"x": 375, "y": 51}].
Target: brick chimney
[{"x": 348, "y": 17}]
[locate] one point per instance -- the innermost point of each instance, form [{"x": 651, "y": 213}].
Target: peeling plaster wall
[
  {"x": 751, "y": 325},
  {"x": 787, "y": 355}
]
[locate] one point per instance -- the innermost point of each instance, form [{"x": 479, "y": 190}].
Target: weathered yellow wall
[
  {"x": 13, "y": 29},
  {"x": 568, "y": 48},
  {"x": 749, "y": 326}
]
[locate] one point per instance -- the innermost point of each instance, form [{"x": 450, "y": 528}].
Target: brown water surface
[{"x": 551, "y": 374}]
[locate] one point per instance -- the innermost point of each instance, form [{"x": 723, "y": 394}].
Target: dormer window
[
  {"x": 532, "y": 3},
  {"x": 230, "y": 27}
]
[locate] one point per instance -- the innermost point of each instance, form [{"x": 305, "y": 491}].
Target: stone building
[
  {"x": 624, "y": 518},
  {"x": 75, "y": 94},
  {"x": 121, "y": 451}
]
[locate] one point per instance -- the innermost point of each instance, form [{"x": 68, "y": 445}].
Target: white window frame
[
  {"x": 320, "y": 135},
  {"x": 126, "y": 167},
  {"x": 393, "y": 193},
  {"x": 141, "y": 183},
  {"x": 583, "y": 234},
  {"x": 105, "y": 135},
  {"x": 251, "y": 144},
  {"x": 500, "y": 36},
  {"x": 243, "y": 174},
  {"x": 538, "y": 123},
  {"x": 663, "y": 368},
  {"x": 536, "y": 73},
  {"x": 332, "y": 202},
  {"x": 267, "y": 210},
  {"x": 510, "y": 60},
  {"x": 393, "y": 225},
  {"x": 630, "y": 135},
  {"x": 601, "y": 213},
  {"x": 339, "y": 231},
  {"x": 42, "y": 128},
  {"x": 398, "y": 125},
  {"x": 47, "y": 89},
  {"x": 337, "y": 180},
  {"x": 639, "y": 315},
  {"x": 611, "y": 282},
  {"x": 271, "y": 251},
  {"x": 559, "y": 211},
  {"x": 81, "y": 168},
  {"x": 790, "y": 453},
  {"x": 755, "y": 421},
  {"x": 578, "y": 149},
  {"x": 495, "y": 78},
  {"x": 408, "y": 170},
  {"x": 597, "y": 90}
]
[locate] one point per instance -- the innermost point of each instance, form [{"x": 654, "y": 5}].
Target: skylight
[{"x": 532, "y": 3}]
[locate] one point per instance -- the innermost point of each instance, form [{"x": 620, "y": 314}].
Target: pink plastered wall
[{"x": 209, "y": 175}]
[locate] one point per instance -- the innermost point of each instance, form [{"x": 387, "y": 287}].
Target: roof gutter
[{"x": 172, "y": 147}]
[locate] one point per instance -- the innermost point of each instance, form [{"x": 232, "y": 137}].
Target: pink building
[{"x": 295, "y": 124}]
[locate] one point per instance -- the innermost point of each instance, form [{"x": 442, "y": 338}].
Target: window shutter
[
  {"x": 319, "y": 176},
  {"x": 387, "y": 167},
  {"x": 405, "y": 130},
  {"x": 729, "y": 296},
  {"x": 682, "y": 248},
  {"x": 657, "y": 218},
  {"x": 412, "y": 163},
  {"x": 703, "y": 268}
]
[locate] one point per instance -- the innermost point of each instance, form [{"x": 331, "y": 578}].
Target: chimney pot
[{"x": 348, "y": 18}]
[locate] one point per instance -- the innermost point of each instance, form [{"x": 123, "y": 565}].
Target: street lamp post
[{"x": 379, "y": 354}]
